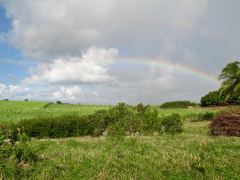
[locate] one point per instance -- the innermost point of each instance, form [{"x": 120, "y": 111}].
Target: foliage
[
  {"x": 59, "y": 102},
  {"x": 55, "y": 127},
  {"x": 177, "y": 104},
  {"x": 230, "y": 76},
  {"x": 206, "y": 116},
  {"x": 214, "y": 98},
  {"x": 13, "y": 152},
  {"x": 229, "y": 92},
  {"x": 173, "y": 124}
]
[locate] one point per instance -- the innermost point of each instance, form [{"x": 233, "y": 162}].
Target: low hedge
[{"x": 55, "y": 127}]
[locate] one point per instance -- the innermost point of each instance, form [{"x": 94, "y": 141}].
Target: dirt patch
[{"x": 226, "y": 124}]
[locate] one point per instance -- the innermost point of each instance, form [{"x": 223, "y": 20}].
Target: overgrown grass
[{"x": 190, "y": 155}]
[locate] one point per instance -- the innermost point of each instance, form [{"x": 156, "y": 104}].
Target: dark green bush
[
  {"x": 214, "y": 98},
  {"x": 173, "y": 124},
  {"x": 177, "y": 104},
  {"x": 55, "y": 127},
  {"x": 59, "y": 102},
  {"x": 206, "y": 116}
]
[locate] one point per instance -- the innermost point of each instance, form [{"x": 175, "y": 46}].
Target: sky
[{"x": 109, "y": 51}]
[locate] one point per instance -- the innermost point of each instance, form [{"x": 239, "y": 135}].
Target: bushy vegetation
[
  {"x": 229, "y": 92},
  {"x": 177, "y": 104},
  {"x": 15, "y": 153},
  {"x": 172, "y": 124},
  {"x": 54, "y": 127},
  {"x": 212, "y": 99},
  {"x": 129, "y": 119},
  {"x": 192, "y": 155},
  {"x": 215, "y": 98},
  {"x": 203, "y": 116}
]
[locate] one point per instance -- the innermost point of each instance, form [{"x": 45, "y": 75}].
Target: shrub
[
  {"x": 206, "y": 116},
  {"x": 177, "y": 104},
  {"x": 59, "y": 102},
  {"x": 141, "y": 108},
  {"x": 98, "y": 122},
  {"x": 55, "y": 127},
  {"x": 13, "y": 152},
  {"x": 116, "y": 132},
  {"x": 173, "y": 124}
]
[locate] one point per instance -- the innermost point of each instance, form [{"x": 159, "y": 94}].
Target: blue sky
[
  {"x": 51, "y": 50},
  {"x": 10, "y": 71}
]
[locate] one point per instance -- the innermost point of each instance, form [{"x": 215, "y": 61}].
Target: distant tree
[
  {"x": 213, "y": 98},
  {"x": 230, "y": 77},
  {"x": 177, "y": 104}
]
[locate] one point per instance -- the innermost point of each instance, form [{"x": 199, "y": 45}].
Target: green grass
[
  {"x": 194, "y": 154},
  {"x": 190, "y": 155},
  {"x": 17, "y": 110}
]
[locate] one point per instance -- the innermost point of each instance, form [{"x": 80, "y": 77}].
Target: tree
[
  {"x": 211, "y": 99},
  {"x": 230, "y": 77}
]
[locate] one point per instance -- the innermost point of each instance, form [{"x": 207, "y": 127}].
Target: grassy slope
[{"x": 193, "y": 154}]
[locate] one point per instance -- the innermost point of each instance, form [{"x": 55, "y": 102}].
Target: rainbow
[{"x": 179, "y": 67}]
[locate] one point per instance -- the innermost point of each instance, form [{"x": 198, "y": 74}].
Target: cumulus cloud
[
  {"x": 48, "y": 29},
  {"x": 8, "y": 91},
  {"x": 69, "y": 93},
  {"x": 92, "y": 67},
  {"x": 58, "y": 36}
]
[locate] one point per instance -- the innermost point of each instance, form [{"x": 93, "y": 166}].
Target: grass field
[
  {"x": 17, "y": 110},
  {"x": 193, "y": 154}
]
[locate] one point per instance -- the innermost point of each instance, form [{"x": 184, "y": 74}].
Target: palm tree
[{"x": 230, "y": 76}]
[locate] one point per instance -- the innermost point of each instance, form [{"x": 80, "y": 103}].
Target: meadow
[
  {"x": 192, "y": 154},
  {"x": 12, "y": 111}
]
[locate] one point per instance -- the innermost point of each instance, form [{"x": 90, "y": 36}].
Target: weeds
[{"x": 14, "y": 153}]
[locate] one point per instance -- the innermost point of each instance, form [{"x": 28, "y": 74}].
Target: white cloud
[
  {"x": 8, "y": 91},
  {"x": 59, "y": 34},
  {"x": 92, "y": 67},
  {"x": 49, "y": 29},
  {"x": 69, "y": 93}
]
